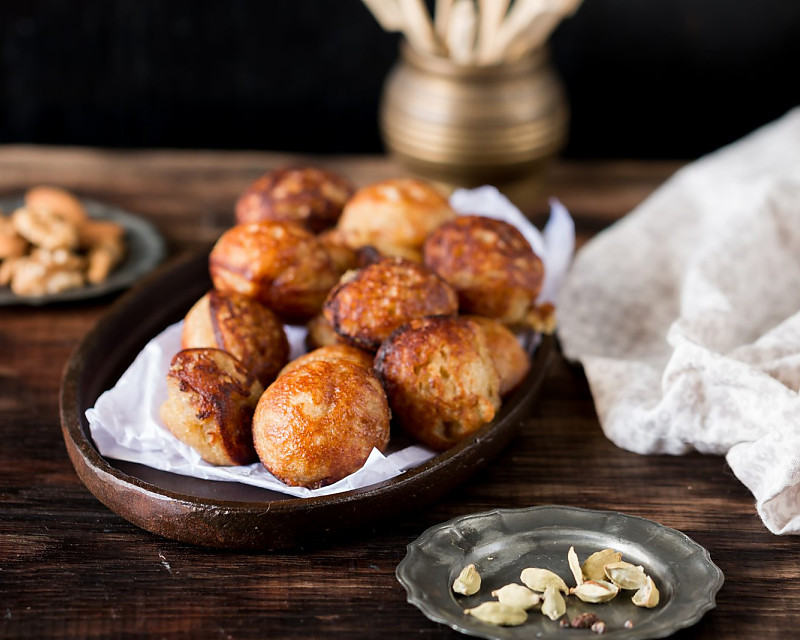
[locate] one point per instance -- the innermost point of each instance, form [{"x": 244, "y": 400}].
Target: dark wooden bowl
[{"x": 228, "y": 514}]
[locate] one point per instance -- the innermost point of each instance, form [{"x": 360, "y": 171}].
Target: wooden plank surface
[{"x": 70, "y": 568}]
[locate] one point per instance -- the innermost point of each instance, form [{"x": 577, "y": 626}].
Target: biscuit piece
[
  {"x": 280, "y": 264},
  {"x": 394, "y": 216},
  {"x": 45, "y": 228},
  {"x": 490, "y": 265},
  {"x": 210, "y": 404},
  {"x": 12, "y": 245},
  {"x": 440, "y": 379},
  {"x": 243, "y": 327},
  {"x": 509, "y": 358},
  {"x": 332, "y": 353},
  {"x": 308, "y": 196},
  {"x": 45, "y": 272},
  {"x": 55, "y": 200},
  {"x": 368, "y": 304},
  {"x": 319, "y": 422}
]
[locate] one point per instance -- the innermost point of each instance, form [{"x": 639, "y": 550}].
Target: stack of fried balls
[{"x": 412, "y": 315}]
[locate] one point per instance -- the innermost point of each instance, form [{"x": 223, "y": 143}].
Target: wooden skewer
[
  {"x": 461, "y": 33},
  {"x": 418, "y": 27},
  {"x": 539, "y": 30},
  {"x": 387, "y": 13},
  {"x": 520, "y": 16},
  {"x": 441, "y": 18},
  {"x": 491, "y": 15}
]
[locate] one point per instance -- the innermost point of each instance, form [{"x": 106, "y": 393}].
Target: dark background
[{"x": 645, "y": 78}]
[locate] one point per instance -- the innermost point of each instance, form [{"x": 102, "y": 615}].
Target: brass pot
[{"x": 468, "y": 125}]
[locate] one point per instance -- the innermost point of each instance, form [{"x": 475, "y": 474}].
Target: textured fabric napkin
[{"x": 686, "y": 317}]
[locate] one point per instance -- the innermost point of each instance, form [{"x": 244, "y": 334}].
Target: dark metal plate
[
  {"x": 145, "y": 248},
  {"x": 503, "y": 542}
]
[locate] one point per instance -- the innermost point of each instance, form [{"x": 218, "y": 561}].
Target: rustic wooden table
[{"x": 70, "y": 568}]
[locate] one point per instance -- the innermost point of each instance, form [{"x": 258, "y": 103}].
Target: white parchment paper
[{"x": 125, "y": 422}]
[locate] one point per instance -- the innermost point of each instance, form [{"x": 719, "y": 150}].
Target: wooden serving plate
[{"x": 229, "y": 514}]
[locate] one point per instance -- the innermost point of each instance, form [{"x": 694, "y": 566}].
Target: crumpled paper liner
[
  {"x": 686, "y": 317},
  {"x": 125, "y": 422}
]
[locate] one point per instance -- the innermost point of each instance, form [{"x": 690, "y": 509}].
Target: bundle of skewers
[{"x": 474, "y": 32}]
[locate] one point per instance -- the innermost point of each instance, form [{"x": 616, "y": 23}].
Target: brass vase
[{"x": 469, "y": 125}]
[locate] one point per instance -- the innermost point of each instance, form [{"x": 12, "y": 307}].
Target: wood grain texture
[{"x": 70, "y": 568}]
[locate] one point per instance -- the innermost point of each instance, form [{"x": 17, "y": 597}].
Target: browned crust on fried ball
[
  {"x": 489, "y": 263},
  {"x": 210, "y": 404},
  {"x": 308, "y": 196},
  {"x": 331, "y": 353},
  {"x": 321, "y": 333},
  {"x": 319, "y": 422},
  {"x": 243, "y": 327},
  {"x": 394, "y": 216},
  {"x": 280, "y": 264},
  {"x": 510, "y": 359},
  {"x": 367, "y": 305},
  {"x": 440, "y": 380},
  {"x": 343, "y": 257}
]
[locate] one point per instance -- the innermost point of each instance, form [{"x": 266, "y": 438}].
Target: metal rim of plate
[
  {"x": 145, "y": 249},
  {"x": 502, "y": 542}
]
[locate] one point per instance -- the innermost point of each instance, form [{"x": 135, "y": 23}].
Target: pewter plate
[
  {"x": 503, "y": 542},
  {"x": 145, "y": 248}
]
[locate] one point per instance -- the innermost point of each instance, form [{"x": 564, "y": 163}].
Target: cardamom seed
[
  {"x": 593, "y": 566},
  {"x": 595, "y": 591},
  {"x": 625, "y": 575},
  {"x": 499, "y": 614},
  {"x": 515, "y": 595},
  {"x": 468, "y": 581},
  {"x": 553, "y": 606},
  {"x": 647, "y": 596},
  {"x": 539, "y": 579}
]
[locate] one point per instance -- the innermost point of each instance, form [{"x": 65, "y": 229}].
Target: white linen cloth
[
  {"x": 125, "y": 422},
  {"x": 685, "y": 315}
]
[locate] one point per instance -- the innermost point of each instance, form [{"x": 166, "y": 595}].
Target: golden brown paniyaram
[
  {"x": 308, "y": 196},
  {"x": 509, "y": 358},
  {"x": 394, "y": 216},
  {"x": 319, "y": 422},
  {"x": 332, "y": 353},
  {"x": 243, "y": 327},
  {"x": 490, "y": 264},
  {"x": 280, "y": 264},
  {"x": 210, "y": 403},
  {"x": 440, "y": 379},
  {"x": 368, "y": 304}
]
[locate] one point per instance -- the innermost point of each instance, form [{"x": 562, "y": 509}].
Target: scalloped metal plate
[
  {"x": 145, "y": 249},
  {"x": 502, "y": 542}
]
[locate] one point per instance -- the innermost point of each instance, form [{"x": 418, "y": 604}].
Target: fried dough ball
[
  {"x": 368, "y": 304},
  {"x": 440, "y": 379},
  {"x": 509, "y": 358},
  {"x": 331, "y": 353},
  {"x": 321, "y": 333},
  {"x": 280, "y": 264},
  {"x": 243, "y": 327},
  {"x": 55, "y": 200},
  {"x": 490, "y": 264},
  {"x": 394, "y": 216},
  {"x": 343, "y": 257},
  {"x": 210, "y": 403},
  {"x": 308, "y": 196},
  {"x": 319, "y": 422}
]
